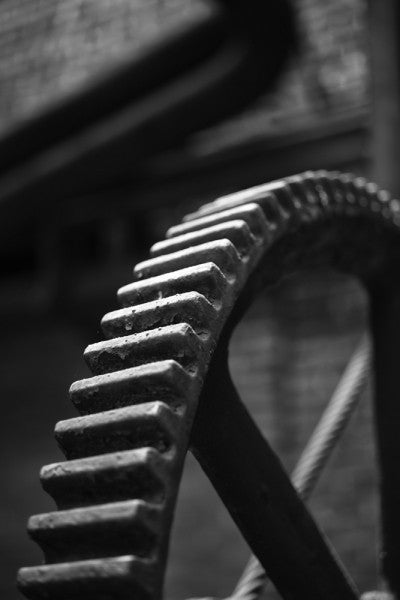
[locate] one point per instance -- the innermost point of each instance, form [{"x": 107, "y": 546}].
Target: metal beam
[
  {"x": 385, "y": 319},
  {"x": 253, "y": 485}
]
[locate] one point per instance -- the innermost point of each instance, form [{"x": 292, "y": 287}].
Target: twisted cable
[{"x": 316, "y": 454}]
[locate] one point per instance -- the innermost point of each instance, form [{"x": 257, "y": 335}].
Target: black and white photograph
[{"x": 200, "y": 299}]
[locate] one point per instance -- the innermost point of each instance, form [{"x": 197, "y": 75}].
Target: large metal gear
[{"x": 161, "y": 383}]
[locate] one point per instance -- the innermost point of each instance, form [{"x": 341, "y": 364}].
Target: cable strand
[{"x": 316, "y": 453}]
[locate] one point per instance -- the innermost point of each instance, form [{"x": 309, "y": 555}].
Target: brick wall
[
  {"x": 48, "y": 47},
  {"x": 328, "y": 79}
]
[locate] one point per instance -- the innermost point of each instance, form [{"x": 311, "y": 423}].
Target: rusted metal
[{"x": 166, "y": 370}]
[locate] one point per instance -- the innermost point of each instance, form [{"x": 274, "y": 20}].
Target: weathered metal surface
[
  {"x": 164, "y": 379},
  {"x": 126, "y": 454},
  {"x": 206, "y": 279},
  {"x": 221, "y": 253},
  {"x": 99, "y": 479},
  {"x": 153, "y": 424},
  {"x": 250, "y": 213},
  {"x": 236, "y": 232},
  {"x": 97, "y": 531},
  {"x": 177, "y": 342},
  {"x": 199, "y": 314}
]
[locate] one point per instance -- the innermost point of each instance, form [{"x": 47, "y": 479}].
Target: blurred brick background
[
  {"x": 50, "y": 47},
  {"x": 286, "y": 356}
]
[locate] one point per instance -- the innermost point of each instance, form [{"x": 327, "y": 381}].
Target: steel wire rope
[{"x": 318, "y": 450}]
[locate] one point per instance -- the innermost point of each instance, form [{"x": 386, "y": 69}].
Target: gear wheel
[{"x": 158, "y": 386}]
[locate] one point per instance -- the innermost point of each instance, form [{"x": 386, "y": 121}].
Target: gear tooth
[
  {"x": 141, "y": 474},
  {"x": 265, "y": 196},
  {"x": 377, "y": 200},
  {"x": 277, "y": 218},
  {"x": 258, "y": 194},
  {"x": 231, "y": 201},
  {"x": 166, "y": 381},
  {"x": 358, "y": 202},
  {"x": 311, "y": 196},
  {"x": 252, "y": 194},
  {"x": 118, "y": 578},
  {"x": 250, "y": 213},
  {"x": 384, "y": 197},
  {"x": 304, "y": 196},
  {"x": 290, "y": 206},
  {"x": 338, "y": 194},
  {"x": 130, "y": 527},
  {"x": 369, "y": 198},
  {"x": 221, "y": 252},
  {"x": 153, "y": 424},
  {"x": 367, "y": 195},
  {"x": 206, "y": 279},
  {"x": 237, "y": 232},
  {"x": 321, "y": 185},
  {"x": 328, "y": 192},
  {"x": 190, "y": 307},
  {"x": 178, "y": 342},
  {"x": 350, "y": 194}
]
